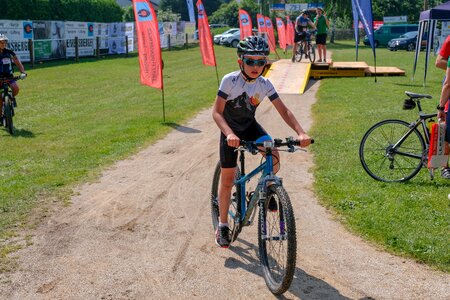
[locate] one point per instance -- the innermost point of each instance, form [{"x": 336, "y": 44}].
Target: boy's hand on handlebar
[
  {"x": 304, "y": 139},
  {"x": 233, "y": 140}
]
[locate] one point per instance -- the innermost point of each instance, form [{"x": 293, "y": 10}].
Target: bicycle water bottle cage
[{"x": 409, "y": 104}]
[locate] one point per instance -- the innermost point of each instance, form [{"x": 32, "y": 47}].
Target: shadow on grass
[
  {"x": 303, "y": 286},
  {"x": 20, "y": 132},
  {"x": 182, "y": 128}
]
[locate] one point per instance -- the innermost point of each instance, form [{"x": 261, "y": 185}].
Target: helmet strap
[{"x": 246, "y": 77}]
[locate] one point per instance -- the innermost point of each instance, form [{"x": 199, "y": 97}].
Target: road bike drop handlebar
[{"x": 252, "y": 146}]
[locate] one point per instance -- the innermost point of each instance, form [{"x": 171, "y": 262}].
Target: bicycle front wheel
[
  {"x": 277, "y": 240},
  {"x": 8, "y": 115},
  {"x": 385, "y": 159},
  {"x": 299, "y": 52},
  {"x": 312, "y": 53},
  {"x": 235, "y": 206}
]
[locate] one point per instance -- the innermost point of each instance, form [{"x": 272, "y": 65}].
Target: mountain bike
[
  {"x": 8, "y": 102},
  {"x": 310, "y": 48},
  {"x": 277, "y": 239},
  {"x": 395, "y": 150}
]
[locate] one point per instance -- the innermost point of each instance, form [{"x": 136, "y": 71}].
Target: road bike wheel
[
  {"x": 277, "y": 240},
  {"x": 8, "y": 115},
  {"x": 312, "y": 53},
  {"x": 299, "y": 52},
  {"x": 384, "y": 162},
  {"x": 235, "y": 207}
]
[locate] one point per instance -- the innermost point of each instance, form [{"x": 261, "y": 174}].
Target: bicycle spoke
[{"x": 384, "y": 162}]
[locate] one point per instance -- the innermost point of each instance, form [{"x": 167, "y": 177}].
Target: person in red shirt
[{"x": 441, "y": 63}]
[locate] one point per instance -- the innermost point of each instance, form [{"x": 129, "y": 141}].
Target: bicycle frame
[
  {"x": 260, "y": 192},
  {"x": 414, "y": 125}
]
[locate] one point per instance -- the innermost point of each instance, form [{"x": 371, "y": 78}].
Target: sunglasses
[{"x": 254, "y": 62}]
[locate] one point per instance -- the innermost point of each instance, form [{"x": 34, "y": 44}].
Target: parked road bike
[
  {"x": 310, "y": 51},
  {"x": 395, "y": 150},
  {"x": 8, "y": 102},
  {"x": 277, "y": 239}
]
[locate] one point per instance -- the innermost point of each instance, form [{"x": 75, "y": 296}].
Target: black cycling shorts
[
  {"x": 321, "y": 39},
  {"x": 228, "y": 155},
  {"x": 299, "y": 36}
]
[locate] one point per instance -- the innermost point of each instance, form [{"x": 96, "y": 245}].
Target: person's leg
[
  {"x": 319, "y": 49},
  {"x": 14, "y": 88},
  {"x": 225, "y": 186},
  {"x": 324, "y": 47},
  {"x": 445, "y": 172}
]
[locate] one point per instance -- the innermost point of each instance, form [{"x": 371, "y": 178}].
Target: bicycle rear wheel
[
  {"x": 277, "y": 240},
  {"x": 312, "y": 53},
  {"x": 384, "y": 161},
  {"x": 235, "y": 207},
  {"x": 299, "y": 52},
  {"x": 8, "y": 115}
]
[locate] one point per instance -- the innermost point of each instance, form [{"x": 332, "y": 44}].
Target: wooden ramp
[
  {"x": 289, "y": 77},
  {"x": 385, "y": 71},
  {"x": 292, "y": 78}
]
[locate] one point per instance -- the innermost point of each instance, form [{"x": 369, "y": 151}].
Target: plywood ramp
[
  {"x": 289, "y": 77},
  {"x": 385, "y": 71}
]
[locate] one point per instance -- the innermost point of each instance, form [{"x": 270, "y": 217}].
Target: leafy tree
[
  {"x": 168, "y": 16},
  {"x": 228, "y": 13},
  {"x": 180, "y": 7}
]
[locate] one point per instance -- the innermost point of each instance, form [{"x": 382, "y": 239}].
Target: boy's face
[
  {"x": 3, "y": 44},
  {"x": 253, "y": 65}
]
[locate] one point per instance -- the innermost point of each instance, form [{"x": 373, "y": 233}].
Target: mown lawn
[
  {"x": 411, "y": 218},
  {"x": 73, "y": 120}
]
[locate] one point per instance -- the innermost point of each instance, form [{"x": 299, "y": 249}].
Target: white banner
[
  {"x": 85, "y": 37},
  {"x": 18, "y": 33}
]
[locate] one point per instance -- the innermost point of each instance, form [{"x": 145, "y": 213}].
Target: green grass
[
  {"x": 411, "y": 218},
  {"x": 74, "y": 120}
]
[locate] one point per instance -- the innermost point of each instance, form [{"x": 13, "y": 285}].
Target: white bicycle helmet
[{"x": 3, "y": 37}]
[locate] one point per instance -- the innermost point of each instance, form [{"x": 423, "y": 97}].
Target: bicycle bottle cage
[{"x": 409, "y": 104}]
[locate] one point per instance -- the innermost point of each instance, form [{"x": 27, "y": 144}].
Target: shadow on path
[
  {"x": 182, "y": 128},
  {"x": 304, "y": 286}
]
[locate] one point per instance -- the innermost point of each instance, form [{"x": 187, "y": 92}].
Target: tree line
[
  {"x": 65, "y": 10},
  {"x": 339, "y": 11}
]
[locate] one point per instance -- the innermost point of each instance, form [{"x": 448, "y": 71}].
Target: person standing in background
[{"x": 322, "y": 24}]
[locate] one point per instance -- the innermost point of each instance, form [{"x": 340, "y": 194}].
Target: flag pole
[
  {"x": 217, "y": 76},
  {"x": 164, "y": 111}
]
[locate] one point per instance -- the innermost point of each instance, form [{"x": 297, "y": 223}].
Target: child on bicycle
[
  {"x": 7, "y": 59},
  {"x": 301, "y": 34},
  {"x": 239, "y": 95}
]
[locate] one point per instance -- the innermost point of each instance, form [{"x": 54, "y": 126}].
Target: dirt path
[{"x": 143, "y": 231}]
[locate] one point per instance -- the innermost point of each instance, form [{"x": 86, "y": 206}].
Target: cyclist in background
[
  {"x": 239, "y": 95},
  {"x": 301, "y": 25},
  {"x": 7, "y": 59}
]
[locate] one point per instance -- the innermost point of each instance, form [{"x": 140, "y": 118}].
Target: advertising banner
[
  {"x": 18, "y": 33},
  {"x": 85, "y": 37},
  {"x": 49, "y": 39}
]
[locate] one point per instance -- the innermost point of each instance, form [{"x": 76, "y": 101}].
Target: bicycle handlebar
[
  {"x": 252, "y": 146},
  {"x": 20, "y": 77}
]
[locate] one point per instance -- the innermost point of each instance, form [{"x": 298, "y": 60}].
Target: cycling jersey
[
  {"x": 6, "y": 63},
  {"x": 242, "y": 98},
  {"x": 302, "y": 23}
]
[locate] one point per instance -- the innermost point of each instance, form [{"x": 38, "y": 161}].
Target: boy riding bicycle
[
  {"x": 239, "y": 95},
  {"x": 7, "y": 59}
]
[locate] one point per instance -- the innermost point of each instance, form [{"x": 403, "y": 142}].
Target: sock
[{"x": 223, "y": 224}]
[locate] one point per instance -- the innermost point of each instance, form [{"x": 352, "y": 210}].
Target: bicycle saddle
[{"x": 417, "y": 96}]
